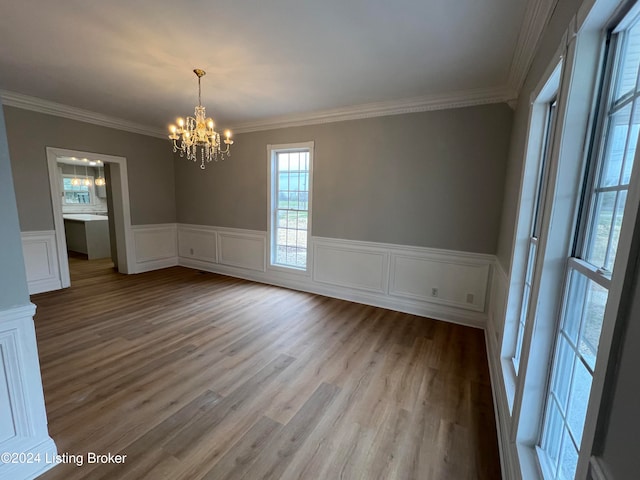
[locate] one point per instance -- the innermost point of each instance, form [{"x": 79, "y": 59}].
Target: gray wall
[
  {"x": 432, "y": 179},
  {"x": 13, "y": 279},
  {"x": 149, "y": 164}
]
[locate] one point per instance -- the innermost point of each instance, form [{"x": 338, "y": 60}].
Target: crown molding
[
  {"x": 536, "y": 17},
  {"x": 35, "y": 104},
  {"x": 461, "y": 99}
]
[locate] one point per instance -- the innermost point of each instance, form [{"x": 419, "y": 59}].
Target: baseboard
[
  {"x": 151, "y": 265},
  {"x": 441, "y": 284},
  {"x": 43, "y": 454},
  {"x": 305, "y": 284}
]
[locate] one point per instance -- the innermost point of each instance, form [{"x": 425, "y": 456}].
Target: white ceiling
[{"x": 134, "y": 59}]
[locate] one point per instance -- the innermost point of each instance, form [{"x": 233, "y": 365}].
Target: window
[
  {"x": 290, "y": 204},
  {"x": 590, "y": 266},
  {"x": 76, "y": 194},
  {"x": 534, "y": 232}
]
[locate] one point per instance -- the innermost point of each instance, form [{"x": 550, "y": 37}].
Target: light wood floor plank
[{"x": 199, "y": 376}]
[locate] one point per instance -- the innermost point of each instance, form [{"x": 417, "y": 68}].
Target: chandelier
[{"x": 197, "y": 133}]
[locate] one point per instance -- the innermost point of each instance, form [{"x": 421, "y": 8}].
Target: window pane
[
  {"x": 570, "y": 386},
  {"x": 601, "y": 228},
  {"x": 595, "y": 301},
  {"x": 616, "y": 141},
  {"x": 615, "y": 234},
  {"x": 291, "y": 219},
  {"x": 632, "y": 144},
  {"x": 574, "y": 308},
  {"x": 578, "y": 400},
  {"x": 553, "y": 433},
  {"x": 568, "y": 459},
  {"x": 562, "y": 372},
  {"x": 630, "y": 62}
]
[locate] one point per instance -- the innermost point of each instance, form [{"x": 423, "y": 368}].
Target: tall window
[
  {"x": 535, "y": 232},
  {"x": 290, "y": 200},
  {"x": 589, "y": 267}
]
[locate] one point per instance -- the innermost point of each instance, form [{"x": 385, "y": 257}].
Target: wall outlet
[
  {"x": 434, "y": 292},
  {"x": 191, "y": 251},
  {"x": 469, "y": 297}
]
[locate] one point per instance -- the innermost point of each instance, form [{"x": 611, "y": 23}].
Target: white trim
[
  {"x": 43, "y": 273},
  {"x": 25, "y": 410},
  {"x": 615, "y": 304},
  {"x": 156, "y": 246},
  {"x": 34, "y": 104},
  {"x": 272, "y": 151},
  {"x": 509, "y": 464},
  {"x": 443, "y": 101},
  {"x": 237, "y": 257},
  {"x": 536, "y": 17},
  {"x": 205, "y": 243},
  {"x": 123, "y": 220},
  {"x": 468, "y": 98}
]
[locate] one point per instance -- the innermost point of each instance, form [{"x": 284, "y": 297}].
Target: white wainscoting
[
  {"x": 155, "y": 246},
  {"x": 390, "y": 276},
  {"x": 245, "y": 249},
  {"x": 41, "y": 261},
  {"x": 447, "y": 278},
  {"x": 351, "y": 265},
  {"x": 24, "y": 424},
  {"x": 497, "y": 315}
]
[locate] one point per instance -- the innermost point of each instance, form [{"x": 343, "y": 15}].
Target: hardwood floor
[{"x": 193, "y": 376}]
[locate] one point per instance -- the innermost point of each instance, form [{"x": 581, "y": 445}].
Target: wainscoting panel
[
  {"x": 242, "y": 249},
  {"x": 198, "y": 242},
  {"x": 41, "y": 261},
  {"x": 443, "y": 278},
  {"x": 22, "y": 408},
  {"x": 156, "y": 246},
  {"x": 353, "y": 270},
  {"x": 336, "y": 262}
]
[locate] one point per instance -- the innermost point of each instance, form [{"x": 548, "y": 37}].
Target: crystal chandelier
[{"x": 197, "y": 133}]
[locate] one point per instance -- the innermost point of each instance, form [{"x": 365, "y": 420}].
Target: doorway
[{"x": 115, "y": 169}]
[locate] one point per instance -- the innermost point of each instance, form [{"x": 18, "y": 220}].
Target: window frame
[
  {"x": 543, "y": 165},
  {"x": 272, "y": 152},
  {"x": 547, "y": 91},
  {"x": 91, "y": 190},
  {"x": 613, "y": 281}
]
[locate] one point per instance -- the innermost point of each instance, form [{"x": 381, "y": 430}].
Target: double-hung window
[
  {"x": 591, "y": 263},
  {"x": 290, "y": 204},
  {"x": 535, "y": 231}
]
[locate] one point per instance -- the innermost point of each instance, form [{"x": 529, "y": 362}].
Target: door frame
[{"x": 121, "y": 214}]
